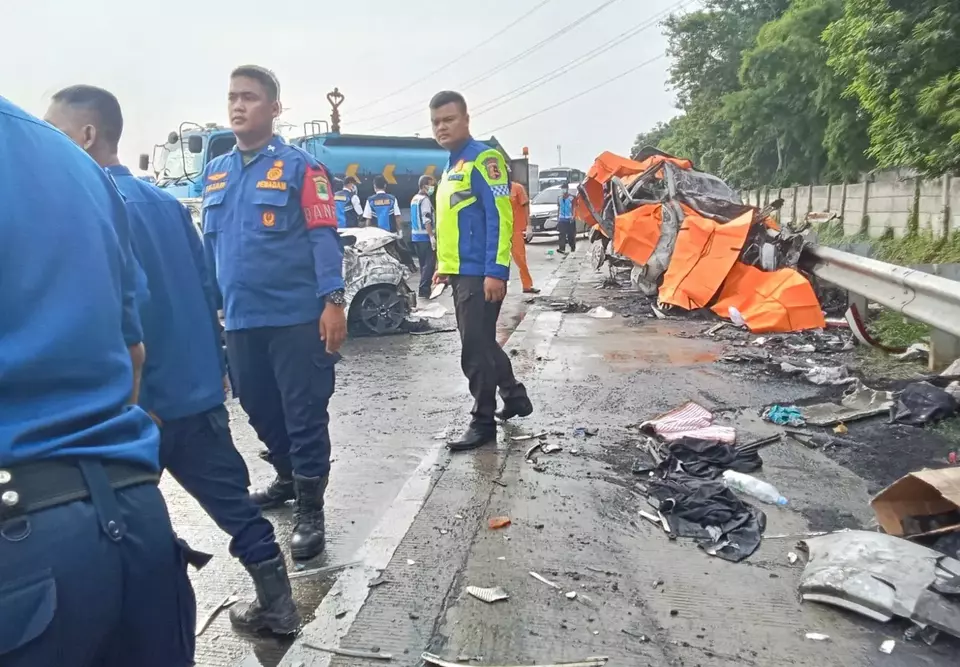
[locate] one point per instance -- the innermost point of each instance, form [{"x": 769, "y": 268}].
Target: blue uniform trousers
[
  {"x": 427, "y": 258},
  {"x": 284, "y": 379},
  {"x": 100, "y": 582},
  {"x": 199, "y": 452}
]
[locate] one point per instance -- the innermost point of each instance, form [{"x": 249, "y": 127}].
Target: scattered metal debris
[
  {"x": 817, "y": 637},
  {"x": 227, "y": 601},
  {"x": 652, "y": 518},
  {"x": 431, "y": 659},
  {"x": 524, "y": 438},
  {"x": 379, "y": 581},
  {"x": 410, "y": 561},
  {"x": 643, "y": 638},
  {"x": 887, "y": 646},
  {"x": 546, "y": 581},
  {"x": 600, "y": 313},
  {"x": 488, "y": 595},
  {"x": 351, "y": 653},
  {"x": 551, "y": 449},
  {"x": 712, "y": 331},
  {"x": 572, "y": 595},
  {"x": 792, "y": 557},
  {"x": 317, "y": 571}
]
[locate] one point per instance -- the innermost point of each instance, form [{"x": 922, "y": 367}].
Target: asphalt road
[
  {"x": 394, "y": 395},
  {"x": 416, "y": 516}
]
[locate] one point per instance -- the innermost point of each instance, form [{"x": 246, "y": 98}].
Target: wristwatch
[{"x": 337, "y": 297}]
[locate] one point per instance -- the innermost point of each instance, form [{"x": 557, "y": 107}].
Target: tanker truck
[{"x": 179, "y": 162}]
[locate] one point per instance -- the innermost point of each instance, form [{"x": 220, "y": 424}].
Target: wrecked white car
[{"x": 375, "y": 269}]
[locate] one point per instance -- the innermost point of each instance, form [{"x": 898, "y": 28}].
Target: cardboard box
[{"x": 919, "y": 494}]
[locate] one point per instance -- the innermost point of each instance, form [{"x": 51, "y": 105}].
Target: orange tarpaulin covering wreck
[
  {"x": 770, "y": 301},
  {"x": 704, "y": 253},
  {"x": 637, "y": 232},
  {"x": 608, "y": 165}
]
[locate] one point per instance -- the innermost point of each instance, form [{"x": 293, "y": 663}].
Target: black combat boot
[
  {"x": 273, "y": 609},
  {"x": 279, "y": 491},
  {"x": 308, "y": 538}
]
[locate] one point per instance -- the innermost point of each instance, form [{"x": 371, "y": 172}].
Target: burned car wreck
[
  {"x": 375, "y": 270},
  {"x": 692, "y": 243}
]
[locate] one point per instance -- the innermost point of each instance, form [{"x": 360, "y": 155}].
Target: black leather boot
[
  {"x": 273, "y": 609},
  {"x": 476, "y": 436},
  {"x": 518, "y": 405},
  {"x": 279, "y": 491},
  {"x": 308, "y": 538}
]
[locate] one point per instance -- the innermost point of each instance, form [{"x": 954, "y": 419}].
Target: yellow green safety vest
[{"x": 462, "y": 227}]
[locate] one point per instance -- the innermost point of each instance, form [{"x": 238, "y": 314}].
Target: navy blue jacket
[
  {"x": 184, "y": 368},
  {"x": 66, "y": 307},
  {"x": 270, "y": 229}
]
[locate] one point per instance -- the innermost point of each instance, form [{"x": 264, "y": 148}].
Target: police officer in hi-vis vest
[{"x": 474, "y": 233}]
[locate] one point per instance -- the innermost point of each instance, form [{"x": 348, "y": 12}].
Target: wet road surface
[{"x": 394, "y": 395}]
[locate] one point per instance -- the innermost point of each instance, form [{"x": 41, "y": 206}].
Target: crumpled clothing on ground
[
  {"x": 711, "y": 513},
  {"x": 707, "y": 459}
]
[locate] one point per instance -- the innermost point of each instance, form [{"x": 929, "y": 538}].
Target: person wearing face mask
[
  {"x": 349, "y": 211},
  {"x": 422, "y": 233}
]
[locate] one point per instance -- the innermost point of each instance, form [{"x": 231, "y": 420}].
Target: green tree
[{"x": 902, "y": 58}]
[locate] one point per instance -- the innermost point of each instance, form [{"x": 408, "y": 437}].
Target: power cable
[
  {"x": 494, "y": 70},
  {"x": 574, "y": 97},
  {"x": 463, "y": 55}
]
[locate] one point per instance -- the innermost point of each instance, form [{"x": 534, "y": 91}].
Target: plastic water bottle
[{"x": 752, "y": 486}]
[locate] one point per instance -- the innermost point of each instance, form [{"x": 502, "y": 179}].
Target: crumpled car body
[
  {"x": 375, "y": 271},
  {"x": 685, "y": 232},
  {"x": 881, "y": 576}
]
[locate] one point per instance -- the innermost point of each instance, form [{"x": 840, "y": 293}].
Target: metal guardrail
[
  {"x": 921, "y": 296},
  {"x": 924, "y": 297}
]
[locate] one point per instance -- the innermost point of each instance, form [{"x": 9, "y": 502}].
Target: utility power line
[
  {"x": 574, "y": 97},
  {"x": 418, "y": 106},
  {"x": 520, "y": 91},
  {"x": 463, "y": 55}
]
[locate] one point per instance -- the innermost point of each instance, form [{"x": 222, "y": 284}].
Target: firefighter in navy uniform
[
  {"x": 270, "y": 231},
  {"x": 91, "y": 574},
  {"x": 183, "y": 387}
]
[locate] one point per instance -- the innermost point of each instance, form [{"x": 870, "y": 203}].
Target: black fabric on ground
[
  {"x": 708, "y": 459},
  {"x": 921, "y": 403},
  {"x": 691, "y": 505}
]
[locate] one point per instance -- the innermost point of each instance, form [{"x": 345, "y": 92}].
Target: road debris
[
  {"x": 351, "y": 653},
  {"x": 916, "y": 352},
  {"x": 757, "y": 488},
  {"x": 498, "y": 522},
  {"x": 431, "y": 659},
  {"x": 600, "y": 313},
  {"x": 546, "y": 581},
  {"x": 820, "y": 375},
  {"x": 841, "y": 429},
  {"x": 846, "y": 570},
  {"x": 690, "y": 420},
  {"x": 433, "y": 311},
  {"x": 379, "y": 581},
  {"x": 925, "y": 502},
  {"x": 792, "y": 557},
  {"x": 921, "y": 403},
  {"x": 318, "y": 571},
  {"x": 226, "y": 602},
  {"x": 525, "y": 438},
  {"x": 784, "y": 415},
  {"x": 887, "y": 646},
  {"x": 488, "y": 595},
  {"x": 858, "y": 402},
  {"x": 652, "y": 518},
  {"x": 712, "y": 331},
  {"x": 817, "y": 637},
  {"x": 572, "y": 595},
  {"x": 411, "y": 562},
  {"x": 641, "y": 637},
  {"x": 551, "y": 448}
]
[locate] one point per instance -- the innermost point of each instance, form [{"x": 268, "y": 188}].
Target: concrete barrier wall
[
  {"x": 853, "y": 209},
  {"x": 891, "y": 203}
]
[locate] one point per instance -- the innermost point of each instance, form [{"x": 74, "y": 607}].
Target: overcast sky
[{"x": 169, "y": 61}]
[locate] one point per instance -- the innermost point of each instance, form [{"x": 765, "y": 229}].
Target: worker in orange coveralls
[{"x": 521, "y": 217}]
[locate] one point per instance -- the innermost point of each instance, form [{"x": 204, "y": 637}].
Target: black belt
[{"x": 31, "y": 487}]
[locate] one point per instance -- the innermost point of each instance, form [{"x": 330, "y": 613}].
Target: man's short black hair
[
  {"x": 263, "y": 76},
  {"x": 351, "y": 180},
  {"x": 445, "y": 97},
  {"x": 380, "y": 182},
  {"x": 104, "y": 104}
]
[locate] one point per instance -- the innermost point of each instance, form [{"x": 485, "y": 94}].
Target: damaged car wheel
[{"x": 379, "y": 309}]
